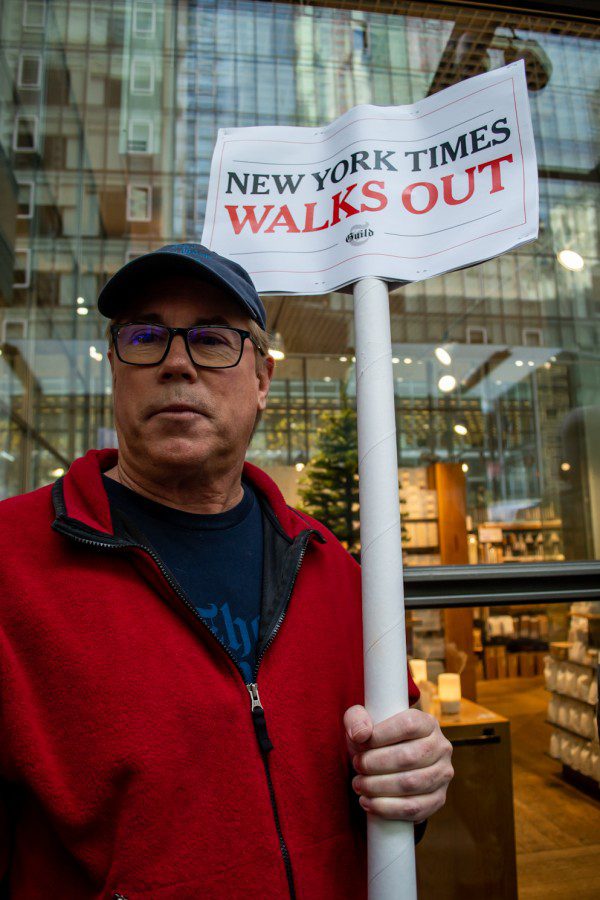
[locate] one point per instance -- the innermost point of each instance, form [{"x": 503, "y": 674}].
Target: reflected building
[{"x": 108, "y": 118}]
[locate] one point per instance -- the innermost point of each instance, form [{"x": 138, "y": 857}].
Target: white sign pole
[{"x": 391, "y": 849}]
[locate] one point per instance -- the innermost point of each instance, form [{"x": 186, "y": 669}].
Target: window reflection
[{"x": 108, "y": 119}]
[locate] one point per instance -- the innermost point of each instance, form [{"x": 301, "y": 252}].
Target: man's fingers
[
  {"x": 408, "y": 725},
  {"x": 408, "y": 809},
  {"x": 359, "y": 728},
  {"x": 405, "y": 784},
  {"x": 398, "y": 758}
]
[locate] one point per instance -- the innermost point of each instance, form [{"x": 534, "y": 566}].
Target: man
[{"x": 180, "y": 651}]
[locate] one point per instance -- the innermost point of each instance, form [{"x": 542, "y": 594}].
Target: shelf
[
  {"x": 534, "y": 525},
  {"x": 569, "y": 697},
  {"x": 577, "y": 734},
  {"x": 558, "y": 557},
  {"x": 585, "y": 783},
  {"x": 571, "y": 662}
]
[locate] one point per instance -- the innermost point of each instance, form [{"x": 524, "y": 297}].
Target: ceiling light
[
  {"x": 498, "y": 382},
  {"x": 447, "y": 383},
  {"x": 443, "y": 356},
  {"x": 395, "y": 360},
  {"x": 353, "y": 359},
  {"x": 519, "y": 362},
  {"x": 530, "y": 363},
  {"x": 6, "y": 455},
  {"x": 327, "y": 378},
  {"x": 571, "y": 260},
  {"x": 299, "y": 467},
  {"x": 80, "y": 301},
  {"x": 552, "y": 359},
  {"x": 566, "y": 467},
  {"x": 82, "y": 310},
  {"x": 461, "y": 429},
  {"x": 56, "y": 473},
  {"x": 276, "y": 354},
  {"x": 547, "y": 365},
  {"x": 465, "y": 467},
  {"x": 343, "y": 359},
  {"x": 407, "y": 360},
  {"x": 95, "y": 354}
]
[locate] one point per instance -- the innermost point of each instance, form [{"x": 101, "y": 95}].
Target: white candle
[
  {"x": 449, "y": 693},
  {"x": 418, "y": 670}
]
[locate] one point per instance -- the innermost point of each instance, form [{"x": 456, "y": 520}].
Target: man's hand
[{"x": 403, "y": 763}]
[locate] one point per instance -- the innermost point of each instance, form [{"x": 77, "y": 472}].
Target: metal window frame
[
  {"x": 23, "y": 117},
  {"x": 136, "y": 63},
  {"x": 438, "y": 587},
  {"x": 27, "y": 267},
  {"x": 140, "y": 120},
  {"x": 39, "y": 6},
  {"x": 24, "y": 56},
  {"x": 24, "y": 182},
  {"x": 128, "y": 211},
  {"x": 147, "y": 6}
]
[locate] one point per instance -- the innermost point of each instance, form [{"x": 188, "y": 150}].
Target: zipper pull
[{"x": 258, "y": 717}]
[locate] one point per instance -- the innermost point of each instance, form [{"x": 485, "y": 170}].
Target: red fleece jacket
[{"x": 129, "y": 762}]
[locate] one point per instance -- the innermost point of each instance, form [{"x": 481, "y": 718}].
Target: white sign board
[{"x": 396, "y": 192}]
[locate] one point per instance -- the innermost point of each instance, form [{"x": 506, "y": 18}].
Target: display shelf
[
  {"x": 571, "y": 662},
  {"x": 583, "y": 782},
  {"x": 525, "y": 559},
  {"x": 577, "y": 734},
  {"x": 569, "y": 697},
  {"x": 534, "y": 525}
]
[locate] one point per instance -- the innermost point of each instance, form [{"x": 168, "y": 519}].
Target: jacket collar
[{"x": 79, "y": 496}]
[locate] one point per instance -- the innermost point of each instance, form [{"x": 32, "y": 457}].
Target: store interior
[{"x": 525, "y": 801}]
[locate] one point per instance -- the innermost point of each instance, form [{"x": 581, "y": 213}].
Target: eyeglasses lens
[{"x": 145, "y": 345}]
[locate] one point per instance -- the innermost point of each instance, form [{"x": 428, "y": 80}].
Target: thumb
[{"x": 359, "y": 728}]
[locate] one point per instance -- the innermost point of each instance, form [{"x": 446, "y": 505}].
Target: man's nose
[{"x": 177, "y": 362}]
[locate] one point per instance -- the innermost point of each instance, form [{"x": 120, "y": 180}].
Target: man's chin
[{"x": 180, "y": 451}]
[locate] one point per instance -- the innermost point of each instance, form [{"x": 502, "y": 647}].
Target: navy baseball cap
[{"x": 194, "y": 259}]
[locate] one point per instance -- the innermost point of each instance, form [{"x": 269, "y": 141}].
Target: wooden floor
[{"x": 557, "y": 826}]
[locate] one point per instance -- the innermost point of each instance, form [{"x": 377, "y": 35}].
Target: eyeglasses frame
[{"x": 184, "y": 332}]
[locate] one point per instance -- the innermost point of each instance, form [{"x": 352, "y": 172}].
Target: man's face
[{"x": 224, "y": 403}]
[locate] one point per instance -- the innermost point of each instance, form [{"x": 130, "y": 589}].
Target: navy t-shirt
[{"x": 215, "y": 558}]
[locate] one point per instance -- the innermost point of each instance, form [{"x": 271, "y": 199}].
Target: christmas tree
[{"x": 329, "y": 487}]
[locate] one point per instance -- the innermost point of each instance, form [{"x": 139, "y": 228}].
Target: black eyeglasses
[{"x": 212, "y": 346}]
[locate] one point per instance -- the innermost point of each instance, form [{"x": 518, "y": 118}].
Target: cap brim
[{"x": 113, "y": 300}]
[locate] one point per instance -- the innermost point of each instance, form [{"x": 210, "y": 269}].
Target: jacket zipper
[
  {"x": 257, "y": 710},
  {"x": 260, "y": 726}
]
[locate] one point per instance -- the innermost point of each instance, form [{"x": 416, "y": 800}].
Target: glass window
[
  {"x": 144, "y": 17},
  {"x": 25, "y": 199},
  {"x": 22, "y": 270},
  {"x": 34, "y": 14},
  {"x": 30, "y": 70},
  {"x": 25, "y": 135},
  {"x": 139, "y": 203},
  {"x": 142, "y": 76},
  {"x": 139, "y": 138}
]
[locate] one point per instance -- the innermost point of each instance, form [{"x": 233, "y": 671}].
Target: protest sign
[
  {"x": 382, "y": 194},
  {"x": 399, "y": 193}
]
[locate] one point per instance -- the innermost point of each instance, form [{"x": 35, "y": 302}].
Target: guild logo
[{"x": 358, "y": 234}]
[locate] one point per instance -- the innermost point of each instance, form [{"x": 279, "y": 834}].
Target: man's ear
[{"x": 264, "y": 376}]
